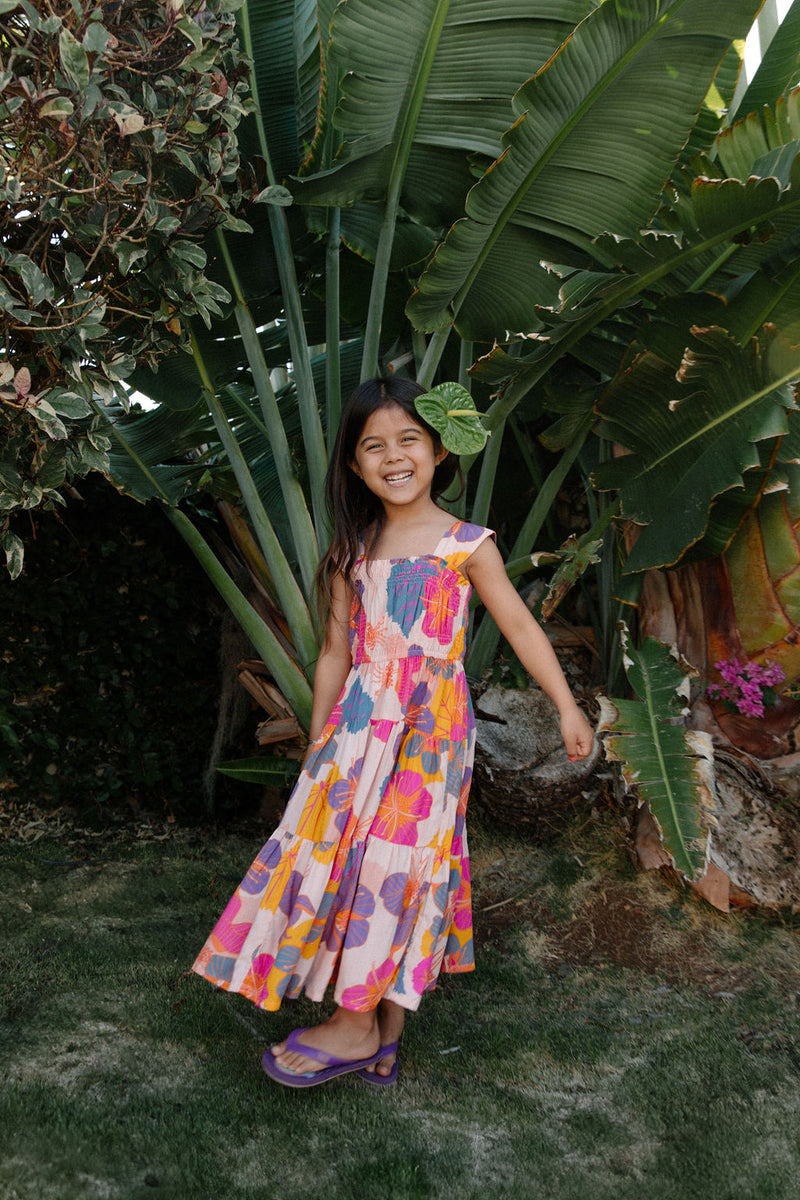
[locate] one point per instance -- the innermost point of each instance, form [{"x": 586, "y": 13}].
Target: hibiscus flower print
[
  {"x": 358, "y": 924},
  {"x": 428, "y": 752},
  {"x": 356, "y": 708},
  {"x": 256, "y": 878},
  {"x": 366, "y": 996},
  {"x": 292, "y": 904},
  {"x": 458, "y": 957},
  {"x": 422, "y": 975},
  {"x": 464, "y": 532},
  {"x": 219, "y": 969},
  {"x": 418, "y": 714},
  {"x": 342, "y": 904},
  {"x": 340, "y": 795},
  {"x": 326, "y": 752},
  {"x": 405, "y": 802},
  {"x": 403, "y": 599},
  {"x": 255, "y": 982},
  {"x": 452, "y": 708},
  {"x": 441, "y": 600},
  {"x": 393, "y": 892},
  {"x": 230, "y": 936}
]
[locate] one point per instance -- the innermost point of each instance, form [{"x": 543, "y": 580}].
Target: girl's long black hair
[{"x": 355, "y": 511}]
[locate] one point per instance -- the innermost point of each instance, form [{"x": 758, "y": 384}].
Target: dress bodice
[{"x": 415, "y": 607}]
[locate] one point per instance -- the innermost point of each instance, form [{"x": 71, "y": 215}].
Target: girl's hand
[{"x": 577, "y": 733}]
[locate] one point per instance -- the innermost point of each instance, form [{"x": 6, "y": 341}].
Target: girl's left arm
[{"x": 487, "y": 574}]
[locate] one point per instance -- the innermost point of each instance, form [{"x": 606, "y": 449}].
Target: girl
[{"x": 365, "y": 882}]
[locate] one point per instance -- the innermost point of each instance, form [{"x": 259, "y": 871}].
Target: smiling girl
[{"x": 365, "y": 883}]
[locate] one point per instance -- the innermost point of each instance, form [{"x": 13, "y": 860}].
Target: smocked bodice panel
[{"x": 408, "y": 608}]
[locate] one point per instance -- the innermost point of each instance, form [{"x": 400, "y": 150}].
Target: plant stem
[
  {"x": 486, "y": 640},
  {"x": 403, "y": 140},
  {"x": 287, "y": 675},
  {"x": 305, "y": 542},
  {"x": 290, "y": 597},
  {"x": 333, "y": 369},
  {"x": 433, "y": 356},
  {"x": 483, "y": 493}
]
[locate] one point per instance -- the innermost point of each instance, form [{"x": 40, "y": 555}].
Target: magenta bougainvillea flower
[{"x": 747, "y": 687}]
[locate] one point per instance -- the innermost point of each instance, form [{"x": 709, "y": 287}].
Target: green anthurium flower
[{"x": 451, "y": 411}]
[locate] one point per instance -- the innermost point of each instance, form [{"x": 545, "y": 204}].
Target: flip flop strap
[
  {"x": 321, "y": 1056},
  {"x": 390, "y": 1049}
]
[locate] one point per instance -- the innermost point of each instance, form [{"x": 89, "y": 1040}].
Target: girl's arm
[
  {"x": 487, "y": 574},
  {"x": 334, "y": 662}
]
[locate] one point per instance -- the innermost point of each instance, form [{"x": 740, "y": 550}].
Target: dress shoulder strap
[{"x": 461, "y": 541}]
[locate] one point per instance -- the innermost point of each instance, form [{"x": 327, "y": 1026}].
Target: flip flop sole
[
  {"x": 313, "y": 1078},
  {"x": 383, "y": 1080}
]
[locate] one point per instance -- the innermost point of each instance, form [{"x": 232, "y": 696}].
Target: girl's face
[{"x": 396, "y": 457}]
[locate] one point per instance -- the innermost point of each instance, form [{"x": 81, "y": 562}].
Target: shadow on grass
[{"x": 617, "y": 1040}]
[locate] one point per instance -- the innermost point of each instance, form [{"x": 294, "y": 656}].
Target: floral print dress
[{"x": 365, "y": 883}]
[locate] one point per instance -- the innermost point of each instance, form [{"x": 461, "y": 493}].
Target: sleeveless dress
[{"x": 365, "y": 883}]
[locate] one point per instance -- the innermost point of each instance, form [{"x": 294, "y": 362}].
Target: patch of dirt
[{"x": 634, "y": 926}]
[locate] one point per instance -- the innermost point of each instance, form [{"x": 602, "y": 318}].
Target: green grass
[{"x": 559, "y": 1070}]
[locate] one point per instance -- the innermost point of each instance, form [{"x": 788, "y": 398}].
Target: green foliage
[
  {"x": 117, "y": 149},
  {"x": 494, "y": 181},
  {"x": 451, "y": 411},
  {"x": 267, "y": 769},
  {"x": 549, "y": 193},
  {"x": 728, "y": 402},
  {"x": 108, "y": 694},
  {"x": 670, "y": 766}
]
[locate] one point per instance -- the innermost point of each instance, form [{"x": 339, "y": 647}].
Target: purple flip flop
[
  {"x": 382, "y": 1080},
  {"x": 332, "y": 1066}
]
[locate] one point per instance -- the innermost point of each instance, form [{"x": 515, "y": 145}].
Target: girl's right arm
[{"x": 335, "y": 660}]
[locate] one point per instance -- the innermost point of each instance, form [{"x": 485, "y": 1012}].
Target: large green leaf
[
  {"x": 283, "y": 39},
  {"x": 716, "y": 104},
  {"x": 691, "y": 436},
  {"x": 266, "y": 770},
  {"x": 671, "y": 767},
  {"x": 778, "y": 69},
  {"x": 145, "y": 445},
  {"x": 714, "y": 233},
  {"x": 581, "y": 159},
  {"x": 461, "y": 100},
  {"x": 176, "y": 384}
]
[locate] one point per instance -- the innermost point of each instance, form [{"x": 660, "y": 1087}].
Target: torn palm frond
[{"x": 671, "y": 767}]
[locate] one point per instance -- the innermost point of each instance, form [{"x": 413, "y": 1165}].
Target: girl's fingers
[{"x": 579, "y": 743}]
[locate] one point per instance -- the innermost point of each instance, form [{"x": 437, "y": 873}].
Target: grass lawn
[{"x": 618, "y": 1039}]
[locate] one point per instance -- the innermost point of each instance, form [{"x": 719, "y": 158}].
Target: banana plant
[
  {"x": 489, "y": 160},
  {"x": 243, "y": 345}
]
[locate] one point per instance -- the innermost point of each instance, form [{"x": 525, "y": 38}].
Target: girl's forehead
[{"x": 390, "y": 419}]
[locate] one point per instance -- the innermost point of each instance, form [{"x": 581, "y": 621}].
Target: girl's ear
[
  {"x": 440, "y": 455},
  {"x": 353, "y": 465}
]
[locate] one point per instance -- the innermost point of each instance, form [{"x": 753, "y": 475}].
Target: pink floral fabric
[{"x": 365, "y": 883}]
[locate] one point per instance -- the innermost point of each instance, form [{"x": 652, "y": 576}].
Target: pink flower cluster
[{"x": 747, "y": 686}]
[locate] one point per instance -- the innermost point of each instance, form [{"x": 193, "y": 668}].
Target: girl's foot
[
  {"x": 391, "y": 1018},
  {"x": 348, "y": 1036}
]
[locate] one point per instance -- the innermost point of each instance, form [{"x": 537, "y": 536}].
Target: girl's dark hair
[{"x": 353, "y": 508}]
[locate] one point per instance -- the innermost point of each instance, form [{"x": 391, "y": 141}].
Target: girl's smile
[{"x": 395, "y": 457}]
